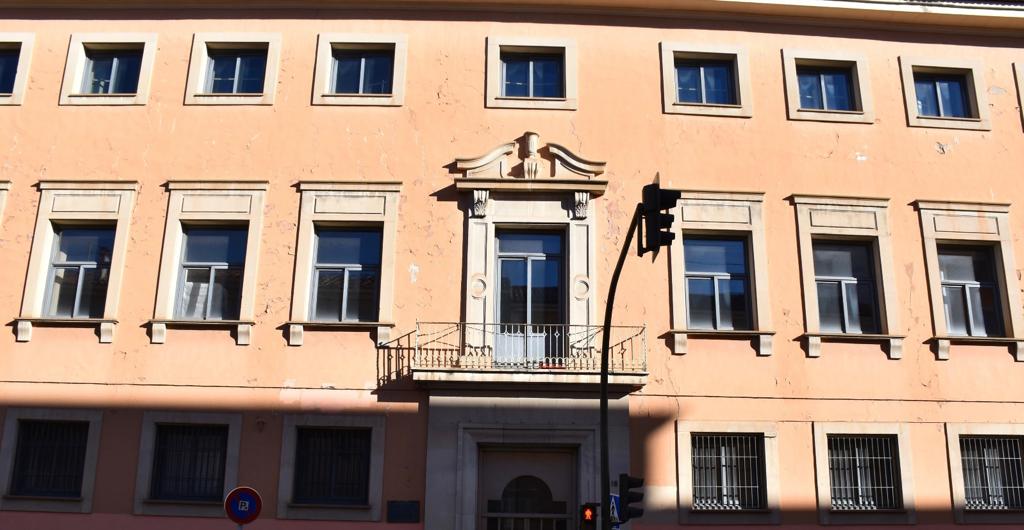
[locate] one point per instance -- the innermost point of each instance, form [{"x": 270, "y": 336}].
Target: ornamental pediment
[{"x": 527, "y": 164}]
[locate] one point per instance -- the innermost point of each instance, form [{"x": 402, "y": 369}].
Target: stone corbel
[
  {"x": 1018, "y": 351},
  {"x": 23, "y": 331},
  {"x": 106, "y": 332},
  {"x": 243, "y": 334},
  {"x": 813, "y": 346},
  {"x": 480, "y": 199},
  {"x": 296, "y": 334},
  {"x": 158, "y": 333},
  {"x": 581, "y": 204},
  {"x": 895, "y": 348},
  {"x": 764, "y": 345}
]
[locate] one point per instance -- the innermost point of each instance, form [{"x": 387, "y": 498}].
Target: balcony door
[{"x": 530, "y": 330}]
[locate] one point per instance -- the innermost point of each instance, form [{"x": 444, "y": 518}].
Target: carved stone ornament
[
  {"x": 579, "y": 210},
  {"x": 480, "y": 202},
  {"x": 532, "y": 162}
]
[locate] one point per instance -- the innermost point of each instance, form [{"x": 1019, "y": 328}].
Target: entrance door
[
  {"x": 531, "y": 314},
  {"x": 527, "y": 488}
]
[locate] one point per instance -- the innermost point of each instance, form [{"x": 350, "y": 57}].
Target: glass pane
[
  {"x": 867, "y": 313},
  {"x": 529, "y": 243},
  {"x": 87, "y": 245},
  {"x": 733, "y": 303},
  {"x": 715, "y": 255},
  {"x": 952, "y": 96},
  {"x": 348, "y": 247},
  {"x": 843, "y": 260},
  {"x": 512, "y": 291},
  {"x": 810, "y": 89},
  {"x": 966, "y": 264},
  {"x": 852, "y": 308},
  {"x": 99, "y": 70},
  {"x": 227, "y": 294},
  {"x": 346, "y": 72},
  {"x": 194, "y": 293},
  {"x": 126, "y": 81},
  {"x": 688, "y": 82},
  {"x": 222, "y": 79},
  {"x": 954, "y": 303},
  {"x": 8, "y": 68},
  {"x": 215, "y": 245},
  {"x": 838, "y": 89},
  {"x": 985, "y": 313},
  {"x": 547, "y": 76},
  {"x": 516, "y": 79},
  {"x": 251, "y": 72},
  {"x": 718, "y": 83},
  {"x": 830, "y": 307},
  {"x": 546, "y": 291},
  {"x": 63, "y": 292},
  {"x": 362, "y": 297},
  {"x": 927, "y": 99},
  {"x": 94, "y": 292},
  {"x": 329, "y": 288},
  {"x": 700, "y": 303},
  {"x": 378, "y": 72}
]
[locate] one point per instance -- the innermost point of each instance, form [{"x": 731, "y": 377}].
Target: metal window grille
[
  {"x": 728, "y": 472},
  {"x": 332, "y": 466},
  {"x": 864, "y": 473},
  {"x": 188, "y": 462},
  {"x": 49, "y": 458},
  {"x": 993, "y": 472}
]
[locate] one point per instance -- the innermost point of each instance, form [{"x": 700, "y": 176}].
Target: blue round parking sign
[{"x": 243, "y": 505}]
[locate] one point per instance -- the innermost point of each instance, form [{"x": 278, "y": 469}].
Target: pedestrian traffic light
[
  {"x": 588, "y": 516},
  {"x": 657, "y": 221},
  {"x": 627, "y": 497}
]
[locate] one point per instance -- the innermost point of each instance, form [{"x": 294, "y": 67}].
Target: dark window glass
[
  {"x": 188, "y": 462},
  {"x": 993, "y": 472},
  {"x": 864, "y": 472},
  {"x": 49, "y": 458},
  {"x": 728, "y": 472},
  {"x": 717, "y": 283},
  {"x": 942, "y": 95},
  {"x": 79, "y": 272},
  {"x": 112, "y": 71},
  {"x": 533, "y": 75},
  {"x": 347, "y": 274},
  {"x": 825, "y": 88},
  {"x": 711, "y": 82},
  {"x": 970, "y": 292},
  {"x": 236, "y": 71},
  {"x": 332, "y": 466},
  {"x": 363, "y": 71},
  {"x": 9, "y": 57},
  {"x": 531, "y": 300},
  {"x": 212, "y": 268},
  {"x": 847, "y": 292}
]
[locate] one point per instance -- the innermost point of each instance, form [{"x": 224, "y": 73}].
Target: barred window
[
  {"x": 188, "y": 462},
  {"x": 728, "y": 472},
  {"x": 864, "y": 473},
  {"x": 993, "y": 472},
  {"x": 49, "y": 458},
  {"x": 332, "y": 466}
]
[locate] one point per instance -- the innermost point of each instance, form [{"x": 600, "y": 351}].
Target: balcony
[{"x": 461, "y": 352}]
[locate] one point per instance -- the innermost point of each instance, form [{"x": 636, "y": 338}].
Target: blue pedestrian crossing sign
[{"x": 614, "y": 507}]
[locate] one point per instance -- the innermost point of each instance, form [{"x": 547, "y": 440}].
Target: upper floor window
[
  {"x": 212, "y": 267},
  {"x": 49, "y": 458},
  {"x": 970, "y": 291},
  {"x": 532, "y": 75},
  {"x": 188, "y": 462},
  {"x": 827, "y": 85},
  {"x": 236, "y": 70},
  {"x": 717, "y": 283},
  {"x": 79, "y": 272},
  {"x": 942, "y": 95},
  {"x": 347, "y": 274},
  {"x": 233, "y": 69},
  {"x": 847, "y": 292},
  {"x": 112, "y": 71},
  {"x": 108, "y": 69},
  {"x": 864, "y": 472},
  {"x": 993, "y": 472},
  {"x": 332, "y": 466},
  {"x": 825, "y": 88},
  {"x": 706, "y": 81},
  {"x": 363, "y": 70},
  {"x": 728, "y": 471},
  {"x": 15, "y": 55},
  {"x": 945, "y": 93},
  {"x": 10, "y": 54}
]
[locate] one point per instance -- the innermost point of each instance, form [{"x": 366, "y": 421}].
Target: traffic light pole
[{"x": 606, "y": 512}]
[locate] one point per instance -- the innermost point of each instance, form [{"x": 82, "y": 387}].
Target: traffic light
[
  {"x": 627, "y": 497},
  {"x": 588, "y": 516},
  {"x": 657, "y": 221}
]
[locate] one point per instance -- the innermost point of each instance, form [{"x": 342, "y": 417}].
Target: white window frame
[
  {"x": 860, "y": 79},
  {"x": 740, "y": 57},
  {"x": 213, "y": 203},
  {"x": 212, "y": 266},
  {"x": 198, "y": 71},
  {"x": 26, "y": 41},
  {"x": 495, "y": 72},
  {"x": 956, "y": 473},
  {"x": 977, "y": 97},
  {"x": 323, "y": 78},
  {"x": 77, "y": 66},
  {"x": 286, "y": 509}
]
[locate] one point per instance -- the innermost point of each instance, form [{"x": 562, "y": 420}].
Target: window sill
[
  {"x": 296, "y": 329},
  {"x": 694, "y": 516},
  {"x": 836, "y": 116},
  {"x": 942, "y": 122},
  {"x": 709, "y": 109},
  {"x": 182, "y": 502},
  {"x": 248, "y": 98},
  {"x": 359, "y": 100},
  {"x": 242, "y": 328},
  {"x": 812, "y": 342},
  {"x": 182, "y": 508},
  {"x": 942, "y": 344},
  {"x": 40, "y": 503},
  {"x": 328, "y": 512},
  {"x": 506, "y": 102},
  {"x": 303, "y": 505},
  {"x": 44, "y": 498},
  {"x": 106, "y": 326},
  {"x": 833, "y": 516},
  {"x": 763, "y": 338}
]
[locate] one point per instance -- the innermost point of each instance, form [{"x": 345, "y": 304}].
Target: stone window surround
[
  {"x": 372, "y": 512},
  {"x": 956, "y": 472},
  {"x": 1018, "y": 70},
  {"x": 326, "y": 42},
  {"x": 977, "y": 95},
  {"x": 496, "y": 45},
  {"x": 74, "y": 69},
  {"x": 727, "y": 214},
  {"x": 821, "y": 471},
  {"x": 860, "y": 77},
  {"x": 684, "y": 468},
  {"x": 342, "y": 203},
  {"x": 66, "y": 202},
  {"x": 855, "y": 219},
  {"x": 27, "y": 42},
  {"x": 670, "y": 51},
  {"x": 209, "y": 202},
  {"x": 144, "y": 472},
  {"x": 976, "y": 223},
  {"x": 5, "y": 187},
  {"x": 195, "y": 91},
  {"x": 8, "y": 445}
]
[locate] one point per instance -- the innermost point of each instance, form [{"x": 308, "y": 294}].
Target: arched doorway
[{"x": 527, "y": 489}]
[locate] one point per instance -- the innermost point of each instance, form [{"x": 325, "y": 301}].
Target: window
[
  {"x": 15, "y": 55},
  {"x": 79, "y": 272},
  {"x": 360, "y": 69},
  {"x": 347, "y": 274},
  {"x": 707, "y": 82},
  {"x": 845, "y": 280},
  {"x": 49, "y": 458},
  {"x": 993, "y": 472},
  {"x": 188, "y": 462},
  {"x": 112, "y": 71},
  {"x": 531, "y": 300},
  {"x": 108, "y": 69},
  {"x": 945, "y": 93},
  {"x": 233, "y": 69},
  {"x": 832, "y": 86},
  {"x": 728, "y": 472},
  {"x": 969, "y": 291},
  {"x": 531, "y": 73},
  {"x": 332, "y": 466},
  {"x": 717, "y": 283},
  {"x": 363, "y": 71},
  {"x": 864, "y": 473},
  {"x": 211, "y": 273},
  {"x": 10, "y": 54},
  {"x": 825, "y": 88}
]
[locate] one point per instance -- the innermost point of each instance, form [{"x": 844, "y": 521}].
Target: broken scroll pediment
[{"x": 525, "y": 159}]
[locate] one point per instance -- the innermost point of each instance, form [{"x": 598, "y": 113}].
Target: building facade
[{"x": 357, "y": 258}]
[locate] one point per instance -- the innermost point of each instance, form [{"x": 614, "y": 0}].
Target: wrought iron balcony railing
[{"x": 527, "y": 347}]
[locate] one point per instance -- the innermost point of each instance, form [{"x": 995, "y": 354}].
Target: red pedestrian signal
[{"x": 588, "y": 516}]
